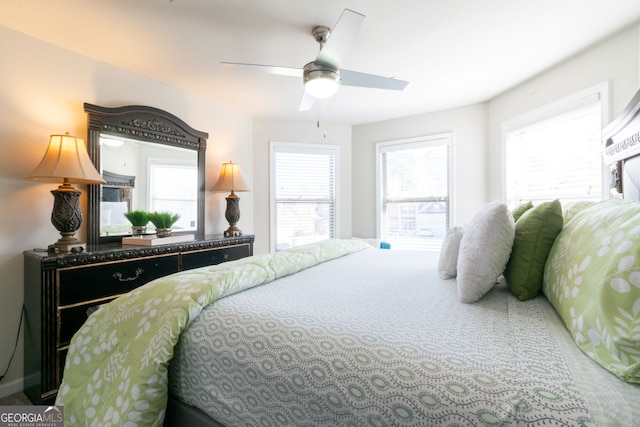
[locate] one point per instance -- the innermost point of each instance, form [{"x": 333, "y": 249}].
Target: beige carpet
[{"x": 17, "y": 399}]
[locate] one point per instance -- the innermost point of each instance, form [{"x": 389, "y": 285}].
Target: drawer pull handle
[{"x": 118, "y": 275}]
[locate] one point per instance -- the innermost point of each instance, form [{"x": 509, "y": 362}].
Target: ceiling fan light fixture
[{"x": 321, "y": 81}]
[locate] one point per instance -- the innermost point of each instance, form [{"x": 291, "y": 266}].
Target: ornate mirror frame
[{"x": 146, "y": 124}]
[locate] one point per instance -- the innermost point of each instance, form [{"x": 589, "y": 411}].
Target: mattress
[{"x": 378, "y": 338}]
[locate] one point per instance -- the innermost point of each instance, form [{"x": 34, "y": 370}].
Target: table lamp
[
  {"x": 230, "y": 179},
  {"x": 67, "y": 161}
]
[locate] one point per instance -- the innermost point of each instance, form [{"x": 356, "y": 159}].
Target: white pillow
[
  {"x": 448, "y": 261},
  {"x": 372, "y": 241},
  {"x": 484, "y": 251}
]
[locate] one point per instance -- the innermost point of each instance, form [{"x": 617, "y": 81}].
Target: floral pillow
[
  {"x": 592, "y": 278},
  {"x": 570, "y": 209}
]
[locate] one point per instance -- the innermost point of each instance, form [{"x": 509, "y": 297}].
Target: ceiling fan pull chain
[{"x": 321, "y": 114}]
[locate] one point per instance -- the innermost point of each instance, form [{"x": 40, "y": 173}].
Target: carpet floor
[{"x": 16, "y": 399}]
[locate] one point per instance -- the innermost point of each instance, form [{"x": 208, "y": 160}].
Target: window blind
[
  {"x": 558, "y": 157},
  {"x": 414, "y": 193},
  {"x": 304, "y": 189}
]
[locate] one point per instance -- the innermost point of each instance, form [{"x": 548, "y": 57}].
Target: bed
[{"x": 342, "y": 333}]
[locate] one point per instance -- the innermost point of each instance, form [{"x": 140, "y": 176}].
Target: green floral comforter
[{"x": 116, "y": 368}]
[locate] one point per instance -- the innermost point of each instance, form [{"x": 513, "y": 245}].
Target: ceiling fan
[{"x": 323, "y": 76}]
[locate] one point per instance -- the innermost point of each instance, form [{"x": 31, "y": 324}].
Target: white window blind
[
  {"x": 174, "y": 189},
  {"x": 558, "y": 156},
  {"x": 414, "y": 192},
  {"x": 303, "y": 193}
]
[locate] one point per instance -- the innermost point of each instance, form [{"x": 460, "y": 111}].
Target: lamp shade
[
  {"x": 66, "y": 160},
  {"x": 230, "y": 179}
]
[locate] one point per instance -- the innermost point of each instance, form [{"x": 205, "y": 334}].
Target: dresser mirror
[{"x": 151, "y": 160}]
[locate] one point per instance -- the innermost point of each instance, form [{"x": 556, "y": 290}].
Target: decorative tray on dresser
[{"x": 61, "y": 289}]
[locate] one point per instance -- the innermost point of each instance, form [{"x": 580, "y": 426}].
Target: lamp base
[
  {"x": 66, "y": 217},
  {"x": 67, "y": 243},
  {"x": 233, "y": 216},
  {"x": 232, "y": 232},
  {"x": 55, "y": 248}
]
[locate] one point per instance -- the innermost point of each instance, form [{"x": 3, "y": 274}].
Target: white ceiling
[{"x": 453, "y": 52}]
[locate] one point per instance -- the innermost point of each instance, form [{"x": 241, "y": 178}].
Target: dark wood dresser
[{"x": 60, "y": 290}]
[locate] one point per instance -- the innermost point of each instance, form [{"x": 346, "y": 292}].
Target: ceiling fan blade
[
  {"x": 269, "y": 69},
  {"x": 341, "y": 38},
  {"x": 307, "y": 101},
  {"x": 354, "y": 78}
]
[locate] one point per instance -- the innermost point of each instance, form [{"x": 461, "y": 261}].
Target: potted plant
[
  {"x": 139, "y": 220},
  {"x": 163, "y": 221}
]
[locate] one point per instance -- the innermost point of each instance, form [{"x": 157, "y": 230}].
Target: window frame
[
  {"x": 161, "y": 162},
  {"x": 302, "y": 148},
  {"x": 415, "y": 142},
  {"x": 559, "y": 107}
]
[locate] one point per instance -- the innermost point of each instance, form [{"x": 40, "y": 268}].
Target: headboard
[{"x": 621, "y": 151}]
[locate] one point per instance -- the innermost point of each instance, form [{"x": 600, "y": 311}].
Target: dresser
[{"x": 61, "y": 290}]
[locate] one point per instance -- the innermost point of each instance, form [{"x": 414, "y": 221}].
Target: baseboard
[{"x": 12, "y": 387}]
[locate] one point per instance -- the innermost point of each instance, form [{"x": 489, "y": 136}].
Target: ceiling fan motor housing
[{"x": 320, "y": 80}]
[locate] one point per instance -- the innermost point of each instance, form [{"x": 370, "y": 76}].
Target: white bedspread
[{"x": 377, "y": 338}]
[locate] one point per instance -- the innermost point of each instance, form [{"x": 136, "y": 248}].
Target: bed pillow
[
  {"x": 592, "y": 278},
  {"x": 372, "y": 241},
  {"x": 570, "y": 209},
  {"x": 484, "y": 251},
  {"x": 536, "y": 230},
  {"x": 448, "y": 260},
  {"x": 520, "y": 209}
]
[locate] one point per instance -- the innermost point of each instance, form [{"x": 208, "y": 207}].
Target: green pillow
[
  {"x": 592, "y": 279},
  {"x": 536, "y": 230},
  {"x": 520, "y": 209}
]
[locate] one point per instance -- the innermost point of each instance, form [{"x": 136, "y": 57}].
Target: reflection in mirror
[
  {"x": 146, "y": 176},
  {"x": 115, "y": 201},
  {"x": 151, "y": 160}
]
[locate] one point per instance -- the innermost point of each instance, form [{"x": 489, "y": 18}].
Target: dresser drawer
[
  {"x": 206, "y": 257},
  {"x": 73, "y": 317},
  {"x": 87, "y": 283}
]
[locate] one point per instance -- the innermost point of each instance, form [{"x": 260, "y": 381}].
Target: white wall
[
  {"x": 615, "y": 59},
  {"x": 42, "y": 91},
  {"x": 469, "y": 151},
  {"x": 265, "y": 130}
]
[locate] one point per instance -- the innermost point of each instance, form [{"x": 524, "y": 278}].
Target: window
[
  {"x": 414, "y": 192},
  {"x": 174, "y": 188},
  {"x": 303, "y": 193},
  {"x": 555, "y": 152}
]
